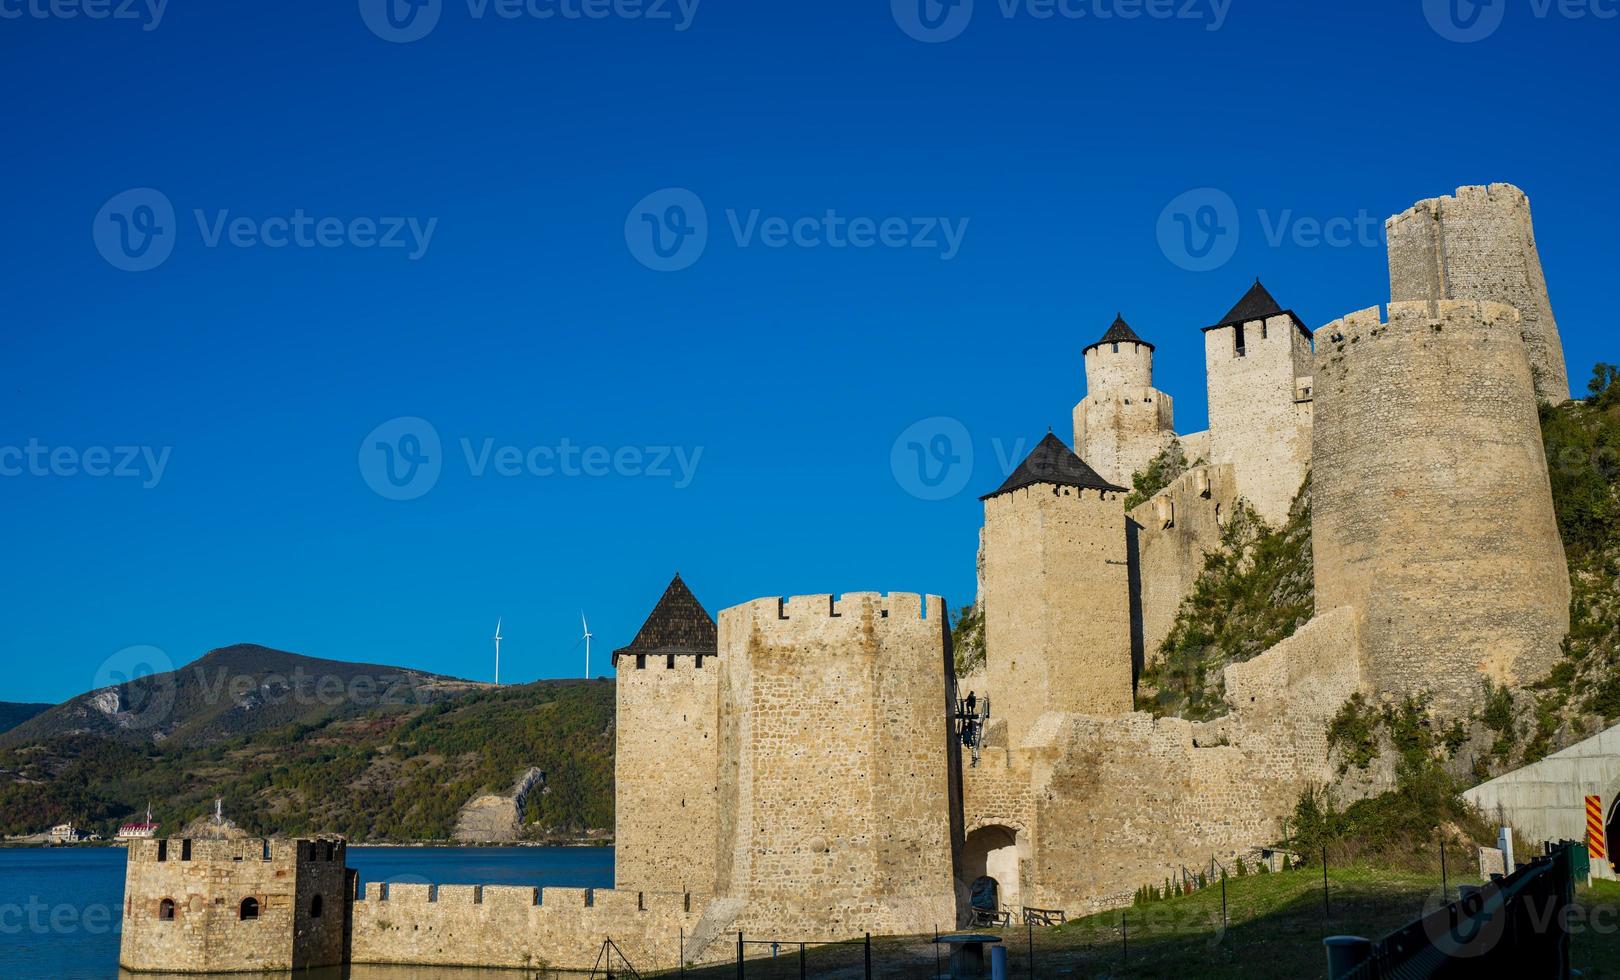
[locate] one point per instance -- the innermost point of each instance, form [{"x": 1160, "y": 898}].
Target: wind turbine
[
  {"x": 587, "y": 638},
  {"x": 498, "y": 651}
]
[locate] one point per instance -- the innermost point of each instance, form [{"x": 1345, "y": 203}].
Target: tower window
[
  {"x": 641, "y": 661},
  {"x": 166, "y": 910},
  {"x": 1116, "y": 347},
  {"x": 1237, "y": 341},
  {"x": 315, "y": 907},
  {"x": 249, "y": 910}
]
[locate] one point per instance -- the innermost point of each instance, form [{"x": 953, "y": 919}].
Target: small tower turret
[{"x": 1123, "y": 422}]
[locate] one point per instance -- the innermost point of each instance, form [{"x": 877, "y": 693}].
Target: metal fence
[{"x": 1514, "y": 925}]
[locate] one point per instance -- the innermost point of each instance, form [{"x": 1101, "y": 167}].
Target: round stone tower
[
  {"x": 1432, "y": 510},
  {"x": 1123, "y": 422}
]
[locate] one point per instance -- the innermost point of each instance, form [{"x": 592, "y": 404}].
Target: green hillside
[{"x": 395, "y": 772}]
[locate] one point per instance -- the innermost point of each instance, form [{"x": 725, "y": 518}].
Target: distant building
[
  {"x": 65, "y": 833},
  {"x": 139, "y": 830}
]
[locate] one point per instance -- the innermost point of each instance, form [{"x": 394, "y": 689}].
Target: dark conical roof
[
  {"x": 678, "y": 625},
  {"x": 1257, "y": 304},
  {"x": 1053, "y": 462},
  {"x": 1120, "y": 333}
]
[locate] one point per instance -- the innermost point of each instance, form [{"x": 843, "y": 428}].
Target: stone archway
[{"x": 992, "y": 852}]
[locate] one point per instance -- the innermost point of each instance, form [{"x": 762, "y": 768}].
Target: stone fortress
[{"x": 794, "y": 770}]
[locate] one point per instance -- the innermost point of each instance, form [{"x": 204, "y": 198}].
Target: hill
[
  {"x": 233, "y": 691},
  {"x": 14, "y": 713},
  {"x": 395, "y": 772}
]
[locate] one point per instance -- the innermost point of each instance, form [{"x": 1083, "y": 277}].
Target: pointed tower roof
[
  {"x": 1120, "y": 333},
  {"x": 677, "y": 626},
  {"x": 1257, "y": 304},
  {"x": 1053, "y": 462}
]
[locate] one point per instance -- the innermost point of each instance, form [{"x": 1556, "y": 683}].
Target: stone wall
[
  {"x": 837, "y": 765},
  {"x": 1432, "y": 510},
  {"x": 1123, "y": 422},
  {"x": 1056, "y": 604},
  {"x": 1124, "y": 802},
  {"x": 1173, "y": 531},
  {"x": 666, "y": 776},
  {"x": 1260, "y": 409},
  {"x": 207, "y": 880},
  {"x": 517, "y": 927},
  {"x": 1480, "y": 245}
]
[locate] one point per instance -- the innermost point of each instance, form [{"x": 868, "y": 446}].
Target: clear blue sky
[{"x": 528, "y": 319}]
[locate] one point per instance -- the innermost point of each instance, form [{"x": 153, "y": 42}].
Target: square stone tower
[
  {"x": 839, "y": 792},
  {"x": 1123, "y": 422},
  {"x": 666, "y": 756},
  {"x": 231, "y": 906},
  {"x": 1057, "y": 625},
  {"x": 1258, "y": 362}
]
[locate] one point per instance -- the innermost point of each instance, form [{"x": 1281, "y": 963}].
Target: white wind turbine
[
  {"x": 586, "y": 639},
  {"x": 498, "y": 651}
]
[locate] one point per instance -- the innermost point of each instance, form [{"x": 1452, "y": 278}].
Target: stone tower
[
  {"x": 1431, "y": 508},
  {"x": 1123, "y": 422},
  {"x": 839, "y": 805},
  {"x": 665, "y": 761},
  {"x": 1056, "y": 592},
  {"x": 1480, "y": 245},
  {"x": 230, "y": 906},
  {"x": 1257, "y": 360}
]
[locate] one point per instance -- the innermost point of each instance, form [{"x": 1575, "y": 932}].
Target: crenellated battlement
[
  {"x": 380, "y": 896},
  {"x": 272, "y": 850},
  {"x": 1414, "y": 320},
  {"x": 1506, "y": 196},
  {"x": 893, "y": 612}
]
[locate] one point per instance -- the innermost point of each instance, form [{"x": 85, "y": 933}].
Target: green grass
[{"x": 1276, "y": 926}]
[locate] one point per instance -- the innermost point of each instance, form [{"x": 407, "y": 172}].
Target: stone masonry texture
[
  {"x": 1480, "y": 245},
  {"x": 1432, "y": 509}
]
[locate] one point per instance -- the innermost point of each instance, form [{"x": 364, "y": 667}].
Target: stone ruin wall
[
  {"x": 207, "y": 933},
  {"x": 1123, "y": 802},
  {"x": 1056, "y": 604},
  {"x": 1172, "y": 533},
  {"x": 837, "y": 765},
  {"x": 1432, "y": 509},
  {"x": 522, "y": 928},
  {"x": 1480, "y": 245},
  {"x": 666, "y": 773},
  {"x": 1260, "y": 410}
]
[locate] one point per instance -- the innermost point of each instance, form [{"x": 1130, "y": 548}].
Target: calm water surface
[{"x": 60, "y": 908}]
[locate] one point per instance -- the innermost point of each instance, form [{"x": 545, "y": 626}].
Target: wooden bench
[{"x": 1044, "y": 917}]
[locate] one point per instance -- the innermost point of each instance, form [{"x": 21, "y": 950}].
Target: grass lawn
[{"x": 1276, "y": 925}]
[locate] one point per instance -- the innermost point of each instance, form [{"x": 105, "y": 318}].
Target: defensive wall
[
  {"x": 1172, "y": 531},
  {"x": 839, "y": 776},
  {"x": 519, "y": 927},
  {"x": 1431, "y": 506}
]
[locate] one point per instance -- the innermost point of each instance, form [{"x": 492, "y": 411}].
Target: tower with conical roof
[
  {"x": 666, "y": 756},
  {"x": 1056, "y": 592},
  {"x": 1258, "y": 364},
  {"x": 1123, "y": 422}
]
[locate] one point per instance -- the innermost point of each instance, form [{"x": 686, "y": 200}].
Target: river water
[{"x": 60, "y": 908}]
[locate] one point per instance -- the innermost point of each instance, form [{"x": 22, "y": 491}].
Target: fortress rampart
[
  {"x": 1480, "y": 245},
  {"x": 1172, "y": 532},
  {"x": 666, "y": 761},
  {"x": 223, "y": 906},
  {"x": 1432, "y": 510},
  {"x": 837, "y": 765},
  {"x": 517, "y": 927},
  {"x": 1056, "y": 604}
]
